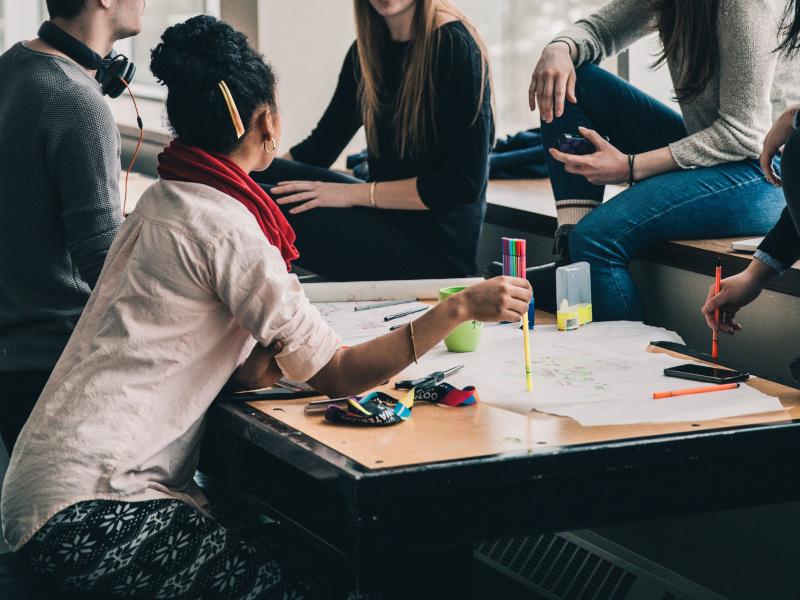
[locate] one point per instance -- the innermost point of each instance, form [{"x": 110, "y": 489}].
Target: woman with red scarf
[{"x": 195, "y": 293}]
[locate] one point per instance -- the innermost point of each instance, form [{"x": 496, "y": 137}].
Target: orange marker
[
  {"x": 715, "y": 338},
  {"x": 711, "y": 388}
]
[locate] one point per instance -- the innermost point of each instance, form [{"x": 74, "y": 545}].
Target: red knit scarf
[{"x": 180, "y": 162}]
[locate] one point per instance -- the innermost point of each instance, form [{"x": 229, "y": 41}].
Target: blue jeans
[{"x": 728, "y": 200}]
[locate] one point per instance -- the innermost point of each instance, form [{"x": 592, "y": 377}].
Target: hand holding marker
[
  {"x": 715, "y": 337},
  {"x": 514, "y": 253}
]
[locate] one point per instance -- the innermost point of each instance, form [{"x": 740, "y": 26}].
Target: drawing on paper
[{"x": 593, "y": 377}]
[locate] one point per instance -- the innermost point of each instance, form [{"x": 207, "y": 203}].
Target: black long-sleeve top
[
  {"x": 781, "y": 247},
  {"x": 452, "y": 171}
]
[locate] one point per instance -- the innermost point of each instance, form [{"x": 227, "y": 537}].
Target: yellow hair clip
[{"x": 237, "y": 120}]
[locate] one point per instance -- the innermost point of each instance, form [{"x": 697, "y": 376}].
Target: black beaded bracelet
[
  {"x": 563, "y": 42},
  {"x": 631, "y": 158}
]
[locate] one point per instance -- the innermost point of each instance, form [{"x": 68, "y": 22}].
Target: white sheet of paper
[
  {"x": 597, "y": 375},
  {"x": 355, "y": 327},
  {"x": 351, "y": 291}
]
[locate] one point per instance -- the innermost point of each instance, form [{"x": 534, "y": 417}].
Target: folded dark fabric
[
  {"x": 520, "y": 156},
  {"x": 358, "y": 163},
  {"x": 519, "y": 141}
]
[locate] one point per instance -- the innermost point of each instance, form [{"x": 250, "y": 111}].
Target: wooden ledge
[
  {"x": 523, "y": 204},
  {"x": 700, "y": 256},
  {"x": 527, "y": 205}
]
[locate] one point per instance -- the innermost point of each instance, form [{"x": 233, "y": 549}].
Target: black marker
[{"x": 403, "y": 314}]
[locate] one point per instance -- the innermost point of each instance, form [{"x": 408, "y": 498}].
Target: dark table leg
[{"x": 435, "y": 574}]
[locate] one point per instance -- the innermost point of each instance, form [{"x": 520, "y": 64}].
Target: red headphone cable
[{"x": 141, "y": 135}]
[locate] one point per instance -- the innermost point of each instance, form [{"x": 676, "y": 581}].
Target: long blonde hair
[{"x": 417, "y": 96}]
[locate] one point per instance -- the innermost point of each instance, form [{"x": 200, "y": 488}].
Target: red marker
[
  {"x": 700, "y": 390},
  {"x": 715, "y": 338}
]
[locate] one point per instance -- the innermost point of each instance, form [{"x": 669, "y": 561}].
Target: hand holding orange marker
[
  {"x": 699, "y": 390},
  {"x": 715, "y": 338}
]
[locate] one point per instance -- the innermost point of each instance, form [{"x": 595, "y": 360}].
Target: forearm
[
  {"x": 557, "y": 46},
  {"x": 396, "y": 195},
  {"x": 609, "y": 30},
  {"x": 260, "y": 370},
  {"x": 655, "y": 162},
  {"x": 362, "y": 367},
  {"x": 759, "y": 272}
]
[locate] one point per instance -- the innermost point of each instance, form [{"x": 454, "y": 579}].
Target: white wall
[
  {"x": 657, "y": 82},
  {"x": 306, "y": 41}
]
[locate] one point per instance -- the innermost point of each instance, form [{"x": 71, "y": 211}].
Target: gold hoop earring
[{"x": 273, "y": 147}]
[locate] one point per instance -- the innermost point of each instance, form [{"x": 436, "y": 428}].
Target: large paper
[
  {"x": 597, "y": 375},
  {"x": 352, "y": 291},
  {"x": 355, "y": 327},
  {"x": 600, "y": 374}
]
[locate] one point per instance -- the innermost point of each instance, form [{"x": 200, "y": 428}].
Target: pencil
[
  {"x": 514, "y": 253},
  {"x": 700, "y": 390},
  {"x": 715, "y": 337}
]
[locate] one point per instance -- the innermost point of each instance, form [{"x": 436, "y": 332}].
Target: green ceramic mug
[{"x": 465, "y": 337}]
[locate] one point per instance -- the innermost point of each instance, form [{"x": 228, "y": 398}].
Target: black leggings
[
  {"x": 352, "y": 244},
  {"x": 19, "y": 391}
]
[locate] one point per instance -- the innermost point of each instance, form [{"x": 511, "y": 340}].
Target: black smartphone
[
  {"x": 706, "y": 373},
  {"x": 282, "y": 390},
  {"x": 266, "y": 394},
  {"x": 574, "y": 144}
]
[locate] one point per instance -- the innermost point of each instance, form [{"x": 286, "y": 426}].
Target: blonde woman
[{"x": 417, "y": 79}]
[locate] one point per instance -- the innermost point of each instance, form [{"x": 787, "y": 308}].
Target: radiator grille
[
  {"x": 568, "y": 566},
  {"x": 560, "y": 567}
]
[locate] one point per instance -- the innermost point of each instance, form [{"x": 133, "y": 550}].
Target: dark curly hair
[{"x": 191, "y": 60}]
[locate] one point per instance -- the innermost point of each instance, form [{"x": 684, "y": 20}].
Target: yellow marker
[{"x": 527, "y": 339}]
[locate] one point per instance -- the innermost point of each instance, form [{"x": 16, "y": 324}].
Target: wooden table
[{"x": 400, "y": 507}]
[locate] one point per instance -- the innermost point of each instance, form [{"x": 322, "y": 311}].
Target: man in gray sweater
[{"x": 59, "y": 197}]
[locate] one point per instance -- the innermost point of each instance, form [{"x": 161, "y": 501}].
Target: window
[
  {"x": 515, "y": 32},
  {"x": 158, "y": 15}
]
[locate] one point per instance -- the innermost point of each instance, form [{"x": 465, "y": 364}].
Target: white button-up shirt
[{"x": 188, "y": 286}]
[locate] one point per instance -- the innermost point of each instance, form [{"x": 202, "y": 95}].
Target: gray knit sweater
[
  {"x": 59, "y": 202},
  {"x": 751, "y": 88}
]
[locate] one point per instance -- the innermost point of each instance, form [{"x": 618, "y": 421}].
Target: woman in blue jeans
[{"x": 694, "y": 175}]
